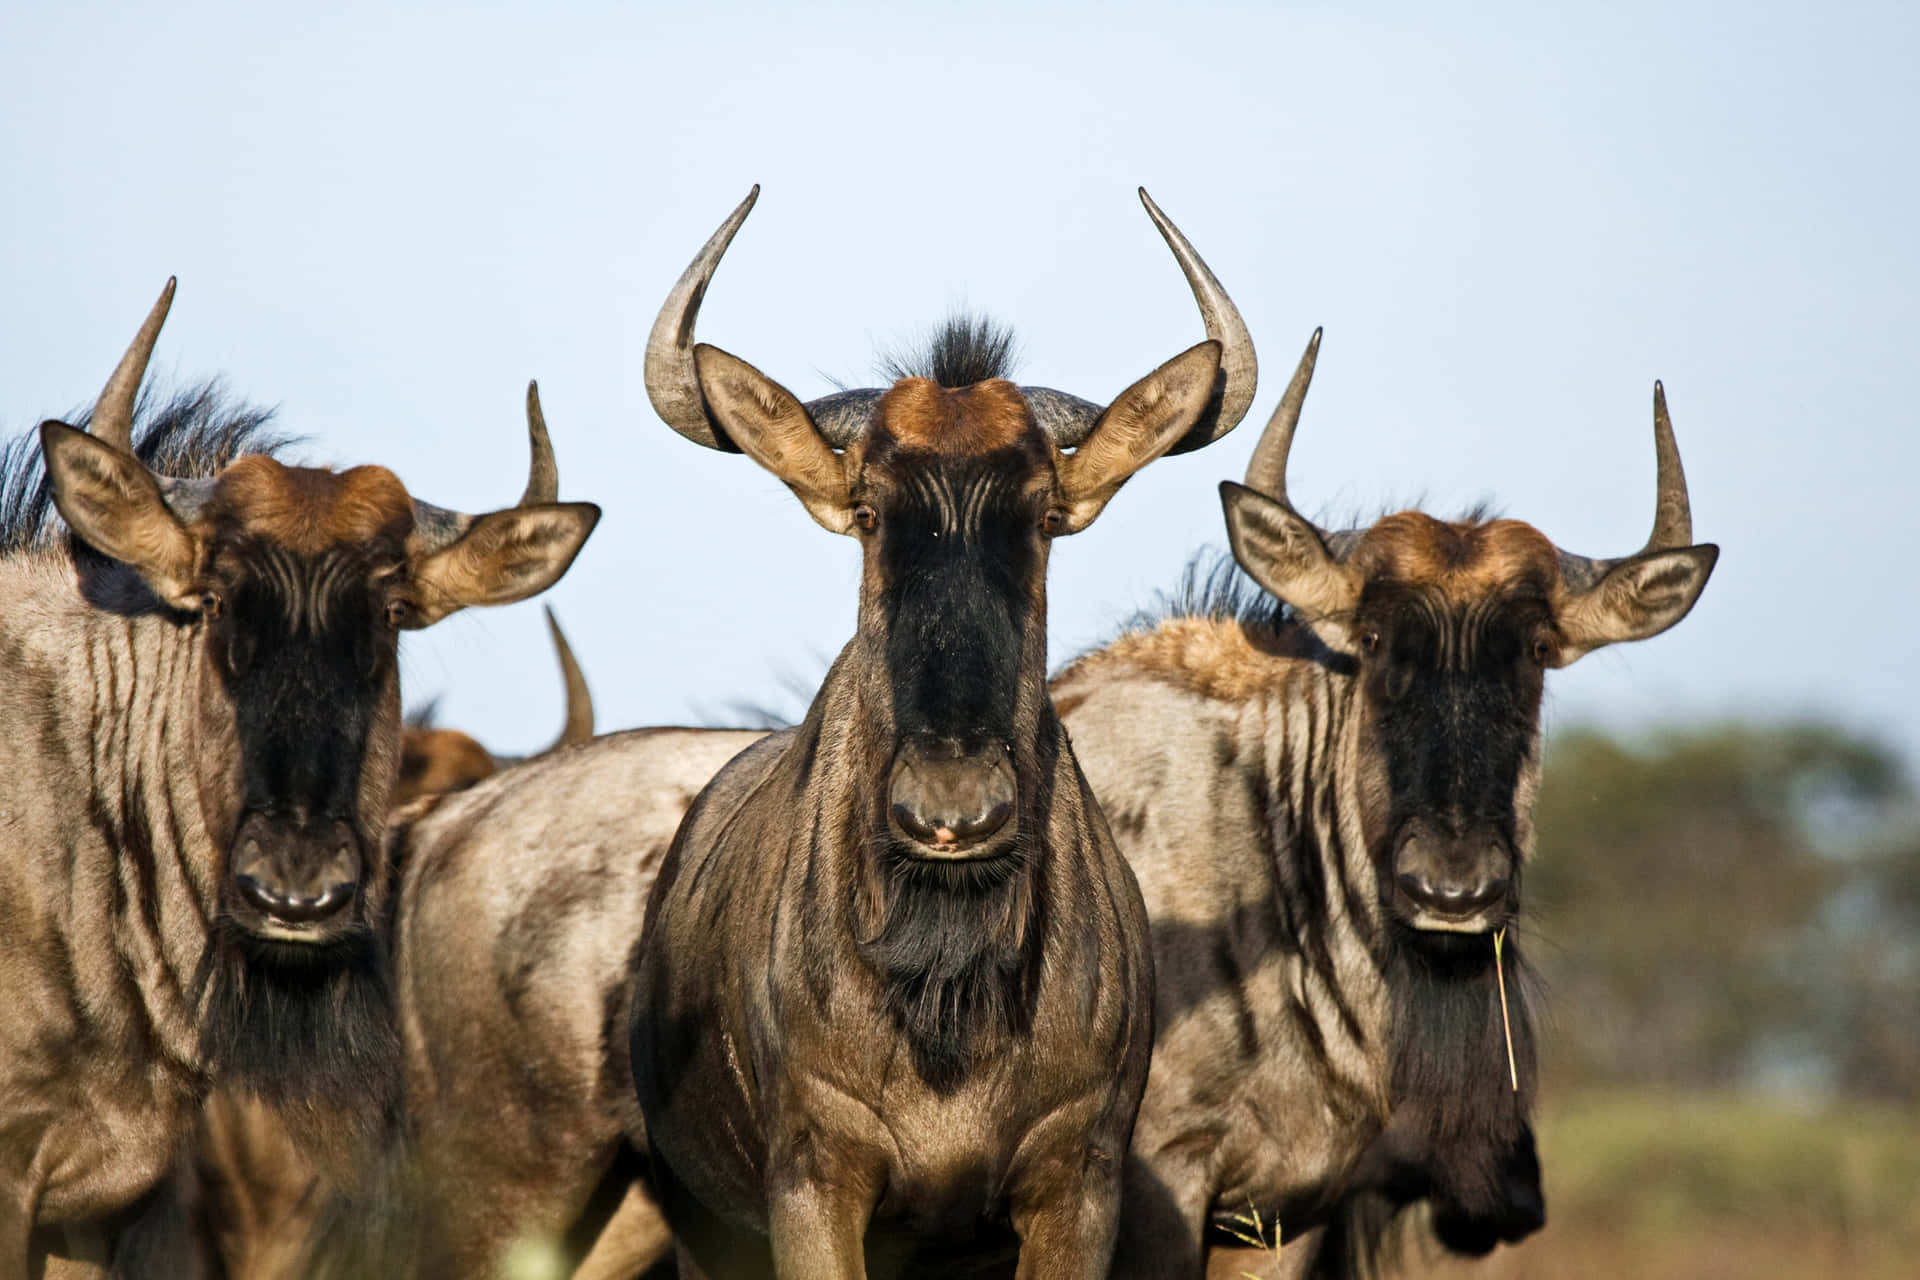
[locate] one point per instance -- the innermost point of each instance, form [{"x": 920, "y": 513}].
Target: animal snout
[
  {"x": 949, "y": 795},
  {"x": 1449, "y": 881},
  {"x": 295, "y": 873}
]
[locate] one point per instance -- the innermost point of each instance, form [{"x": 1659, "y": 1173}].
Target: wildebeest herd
[{"x": 1200, "y": 945}]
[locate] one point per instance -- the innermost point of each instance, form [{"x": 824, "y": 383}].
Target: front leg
[
  {"x": 820, "y": 1196},
  {"x": 19, "y": 1200},
  {"x": 818, "y": 1229},
  {"x": 1068, "y": 1218}
]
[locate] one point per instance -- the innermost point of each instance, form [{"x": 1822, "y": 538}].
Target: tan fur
[
  {"x": 439, "y": 760},
  {"x": 921, "y": 414},
  {"x": 1465, "y": 561},
  {"x": 1215, "y": 658},
  {"x": 307, "y": 509}
]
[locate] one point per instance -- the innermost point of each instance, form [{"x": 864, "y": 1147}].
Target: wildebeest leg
[
  {"x": 1068, "y": 1224},
  {"x": 818, "y": 1227},
  {"x": 19, "y": 1200},
  {"x": 1163, "y": 1221},
  {"x": 635, "y": 1238}
]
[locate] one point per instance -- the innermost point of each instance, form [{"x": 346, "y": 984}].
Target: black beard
[{"x": 309, "y": 1029}]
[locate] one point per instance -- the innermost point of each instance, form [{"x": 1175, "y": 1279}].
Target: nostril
[
  {"x": 295, "y": 908},
  {"x": 258, "y": 894},
  {"x": 911, "y": 822},
  {"x": 984, "y": 823}
]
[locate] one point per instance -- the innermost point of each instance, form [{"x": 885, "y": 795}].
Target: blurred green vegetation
[
  {"x": 1734, "y": 906},
  {"x": 1726, "y": 921}
]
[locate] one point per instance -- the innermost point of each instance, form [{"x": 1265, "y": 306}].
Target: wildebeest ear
[
  {"x": 113, "y": 502},
  {"x": 1143, "y": 422},
  {"x": 1641, "y": 596},
  {"x": 1285, "y": 555},
  {"x": 505, "y": 556},
  {"x": 773, "y": 428}
]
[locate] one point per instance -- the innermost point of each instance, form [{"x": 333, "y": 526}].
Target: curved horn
[
  {"x": 543, "y": 473},
  {"x": 1672, "y": 511},
  {"x": 113, "y": 413},
  {"x": 579, "y": 725},
  {"x": 672, "y": 384},
  {"x": 439, "y": 527},
  {"x": 1267, "y": 469},
  {"x": 674, "y": 387},
  {"x": 1067, "y": 418},
  {"x": 1239, "y": 370}
]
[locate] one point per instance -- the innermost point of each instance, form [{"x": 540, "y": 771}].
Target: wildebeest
[
  {"x": 894, "y": 986},
  {"x": 521, "y": 904},
  {"x": 245, "y": 1201},
  {"x": 1328, "y": 806},
  {"x": 200, "y": 686},
  {"x": 435, "y": 761}
]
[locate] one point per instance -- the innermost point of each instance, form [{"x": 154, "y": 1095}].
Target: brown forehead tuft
[
  {"x": 309, "y": 509},
  {"x": 921, "y": 414},
  {"x": 1464, "y": 559}
]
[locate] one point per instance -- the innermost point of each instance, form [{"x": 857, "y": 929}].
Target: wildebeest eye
[
  {"x": 865, "y": 517},
  {"x": 398, "y": 611},
  {"x": 1369, "y": 638},
  {"x": 1052, "y": 522},
  {"x": 212, "y": 605},
  {"x": 1542, "y": 648}
]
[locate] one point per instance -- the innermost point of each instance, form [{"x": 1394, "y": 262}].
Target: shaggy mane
[{"x": 193, "y": 433}]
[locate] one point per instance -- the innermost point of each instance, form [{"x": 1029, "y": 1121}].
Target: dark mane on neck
[
  {"x": 193, "y": 432},
  {"x": 1451, "y": 1084},
  {"x": 957, "y": 956},
  {"x": 310, "y": 1032}
]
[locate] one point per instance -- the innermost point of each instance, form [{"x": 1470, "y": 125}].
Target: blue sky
[{"x": 1510, "y": 221}]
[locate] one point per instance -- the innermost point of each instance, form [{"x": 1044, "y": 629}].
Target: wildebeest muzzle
[
  {"x": 293, "y": 878},
  {"x": 1455, "y": 878},
  {"x": 951, "y": 797}
]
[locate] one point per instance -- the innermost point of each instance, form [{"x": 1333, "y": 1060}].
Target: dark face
[
  {"x": 1453, "y": 692},
  {"x": 303, "y": 586},
  {"x": 305, "y": 649},
  {"x": 956, "y": 555}
]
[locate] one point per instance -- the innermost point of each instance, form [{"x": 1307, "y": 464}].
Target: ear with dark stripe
[
  {"x": 1639, "y": 597},
  {"x": 772, "y": 427},
  {"x": 1286, "y": 555},
  {"x": 114, "y": 503},
  {"x": 504, "y": 556},
  {"x": 1143, "y": 422}
]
